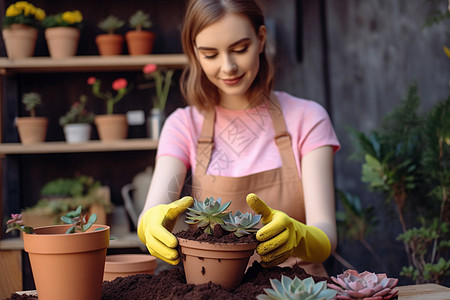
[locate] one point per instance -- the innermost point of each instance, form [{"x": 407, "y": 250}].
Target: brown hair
[{"x": 194, "y": 85}]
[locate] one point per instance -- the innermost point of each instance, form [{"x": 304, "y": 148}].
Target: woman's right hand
[{"x": 155, "y": 228}]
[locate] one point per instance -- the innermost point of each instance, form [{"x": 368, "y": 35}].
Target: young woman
[{"x": 266, "y": 151}]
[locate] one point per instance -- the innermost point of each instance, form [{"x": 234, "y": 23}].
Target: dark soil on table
[{"x": 171, "y": 284}]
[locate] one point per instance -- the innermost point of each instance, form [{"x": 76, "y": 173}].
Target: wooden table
[{"x": 427, "y": 291}]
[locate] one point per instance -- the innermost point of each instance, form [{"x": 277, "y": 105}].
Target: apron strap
[{"x": 282, "y": 138}]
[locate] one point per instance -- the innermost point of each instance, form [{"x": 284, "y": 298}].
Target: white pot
[
  {"x": 77, "y": 133},
  {"x": 154, "y": 123}
]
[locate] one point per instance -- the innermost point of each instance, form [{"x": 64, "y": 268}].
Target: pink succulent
[
  {"x": 366, "y": 285},
  {"x": 120, "y": 83},
  {"x": 15, "y": 219},
  {"x": 91, "y": 80},
  {"x": 150, "y": 68}
]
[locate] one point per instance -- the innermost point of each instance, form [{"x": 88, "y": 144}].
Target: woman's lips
[{"x": 233, "y": 81}]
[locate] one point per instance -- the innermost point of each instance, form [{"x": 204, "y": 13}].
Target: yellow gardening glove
[
  {"x": 155, "y": 228},
  {"x": 282, "y": 237}
]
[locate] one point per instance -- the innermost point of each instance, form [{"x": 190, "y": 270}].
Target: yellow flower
[
  {"x": 72, "y": 17},
  {"x": 40, "y": 14},
  {"x": 12, "y": 11}
]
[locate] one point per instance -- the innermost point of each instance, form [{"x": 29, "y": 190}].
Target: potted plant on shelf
[
  {"x": 67, "y": 261},
  {"x": 161, "y": 81},
  {"x": 20, "y": 29},
  {"x": 110, "y": 43},
  {"x": 62, "y": 33},
  {"x": 205, "y": 259},
  {"x": 140, "y": 41},
  {"x": 110, "y": 126},
  {"x": 77, "y": 122},
  {"x": 31, "y": 129}
]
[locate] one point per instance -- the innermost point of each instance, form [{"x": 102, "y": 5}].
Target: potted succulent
[
  {"x": 32, "y": 129},
  {"x": 222, "y": 263},
  {"x": 20, "y": 29},
  {"x": 77, "y": 122},
  {"x": 62, "y": 33},
  {"x": 67, "y": 261},
  {"x": 161, "y": 81},
  {"x": 140, "y": 41},
  {"x": 110, "y": 43},
  {"x": 110, "y": 126},
  {"x": 288, "y": 288}
]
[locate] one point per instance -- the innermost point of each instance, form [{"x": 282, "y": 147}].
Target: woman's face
[{"x": 228, "y": 52}]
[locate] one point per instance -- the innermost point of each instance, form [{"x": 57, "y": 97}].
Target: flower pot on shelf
[
  {"x": 112, "y": 127},
  {"x": 67, "y": 266},
  {"x": 20, "y": 40},
  {"x": 109, "y": 44},
  {"x": 77, "y": 133},
  {"x": 122, "y": 265},
  {"x": 32, "y": 130},
  {"x": 221, "y": 263},
  {"x": 154, "y": 123},
  {"x": 140, "y": 42},
  {"x": 62, "y": 42}
]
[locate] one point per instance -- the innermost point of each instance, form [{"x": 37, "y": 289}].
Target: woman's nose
[{"x": 229, "y": 66}]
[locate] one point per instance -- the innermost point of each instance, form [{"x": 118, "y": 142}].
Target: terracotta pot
[
  {"x": 20, "y": 40},
  {"x": 62, "y": 42},
  {"x": 221, "y": 263},
  {"x": 140, "y": 42},
  {"x": 123, "y": 265},
  {"x": 77, "y": 133},
  {"x": 32, "y": 130},
  {"x": 109, "y": 44},
  {"x": 111, "y": 127},
  {"x": 67, "y": 266}
]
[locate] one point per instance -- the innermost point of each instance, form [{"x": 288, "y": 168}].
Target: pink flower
[
  {"x": 91, "y": 80},
  {"x": 150, "y": 68},
  {"x": 120, "y": 83},
  {"x": 15, "y": 218}
]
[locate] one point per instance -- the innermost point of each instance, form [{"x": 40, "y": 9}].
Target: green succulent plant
[
  {"x": 31, "y": 101},
  {"x": 207, "y": 214},
  {"x": 297, "y": 289},
  {"x": 241, "y": 223},
  {"x": 111, "y": 24},
  {"x": 140, "y": 20},
  {"x": 365, "y": 285}
]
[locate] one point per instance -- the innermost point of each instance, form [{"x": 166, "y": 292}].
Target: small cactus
[
  {"x": 297, "y": 289},
  {"x": 241, "y": 223},
  {"x": 111, "y": 24},
  {"x": 207, "y": 214},
  {"x": 365, "y": 285},
  {"x": 31, "y": 101},
  {"x": 140, "y": 20}
]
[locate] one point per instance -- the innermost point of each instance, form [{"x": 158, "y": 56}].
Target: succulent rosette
[{"x": 365, "y": 285}]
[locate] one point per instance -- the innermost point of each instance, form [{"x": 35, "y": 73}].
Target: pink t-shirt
[{"x": 244, "y": 139}]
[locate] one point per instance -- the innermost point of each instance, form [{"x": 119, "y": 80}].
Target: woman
[{"x": 243, "y": 142}]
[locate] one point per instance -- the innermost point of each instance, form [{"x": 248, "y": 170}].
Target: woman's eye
[
  {"x": 240, "y": 50},
  {"x": 209, "y": 55}
]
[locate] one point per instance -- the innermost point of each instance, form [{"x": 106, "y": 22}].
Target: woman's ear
[{"x": 262, "y": 33}]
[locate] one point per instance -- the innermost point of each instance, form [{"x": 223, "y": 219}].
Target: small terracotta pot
[
  {"x": 62, "y": 42},
  {"x": 140, "y": 42},
  {"x": 20, "y": 40},
  {"x": 67, "y": 266},
  {"x": 32, "y": 130},
  {"x": 111, "y": 127},
  {"x": 109, "y": 44},
  {"x": 221, "y": 263},
  {"x": 122, "y": 265}
]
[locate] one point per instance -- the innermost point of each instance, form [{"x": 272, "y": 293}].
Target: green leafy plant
[
  {"x": 207, "y": 214},
  {"x": 23, "y": 12},
  {"x": 365, "y": 285},
  {"x": 77, "y": 113},
  {"x": 31, "y": 101},
  {"x": 140, "y": 20},
  {"x": 241, "y": 223},
  {"x": 78, "y": 186},
  {"x": 407, "y": 160},
  {"x": 76, "y": 218},
  {"x": 162, "y": 81},
  {"x": 64, "y": 19},
  {"x": 297, "y": 289},
  {"x": 111, "y": 24}
]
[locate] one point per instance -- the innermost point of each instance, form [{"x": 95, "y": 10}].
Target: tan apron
[{"x": 280, "y": 188}]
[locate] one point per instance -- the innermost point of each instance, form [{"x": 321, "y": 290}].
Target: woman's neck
[{"x": 235, "y": 102}]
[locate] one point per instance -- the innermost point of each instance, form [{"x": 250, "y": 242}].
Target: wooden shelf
[
  {"x": 92, "y": 146},
  {"x": 89, "y": 63}
]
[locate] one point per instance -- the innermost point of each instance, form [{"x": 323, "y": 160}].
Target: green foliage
[
  {"x": 241, "y": 223},
  {"x": 77, "y": 113},
  {"x": 207, "y": 214},
  {"x": 297, "y": 289},
  {"x": 31, "y": 101},
  {"x": 438, "y": 14},
  {"x": 78, "y": 220},
  {"x": 140, "y": 20},
  {"x": 70, "y": 187},
  {"x": 110, "y": 24}
]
